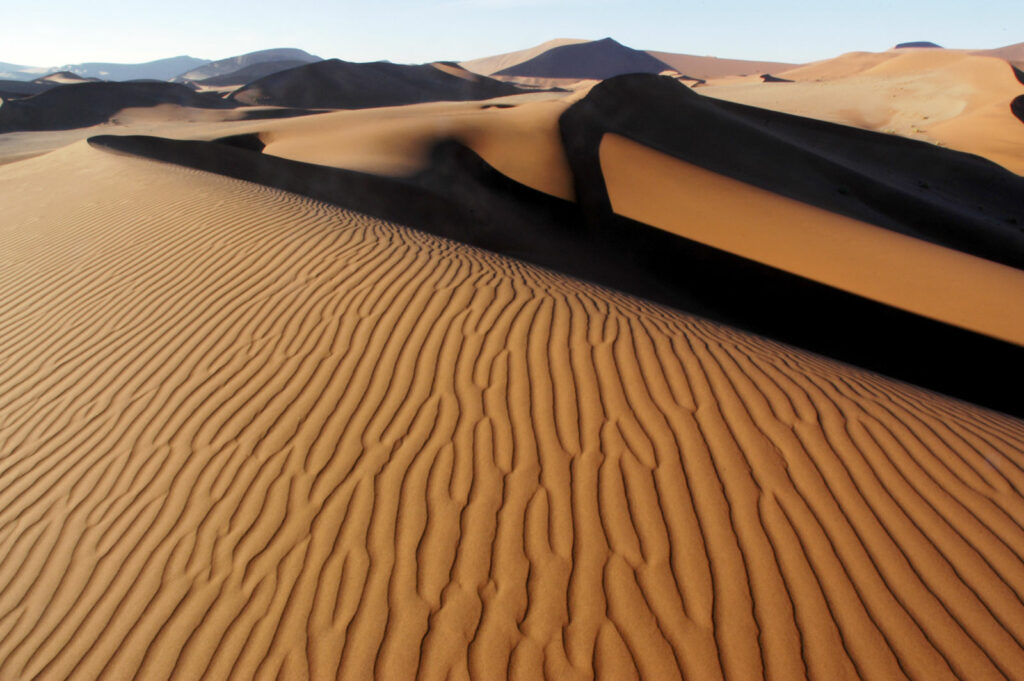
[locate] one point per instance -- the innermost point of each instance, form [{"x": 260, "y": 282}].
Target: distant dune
[
  {"x": 248, "y": 74},
  {"x": 81, "y": 105},
  {"x": 338, "y": 84},
  {"x": 487, "y": 66},
  {"x": 917, "y": 43},
  {"x": 64, "y": 78},
  {"x": 1013, "y": 52},
  {"x": 714, "y": 67},
  {"x": 21, "y": 88},
  {"x": 945, "y": 97},
  {"x": 597, "y": 59}
]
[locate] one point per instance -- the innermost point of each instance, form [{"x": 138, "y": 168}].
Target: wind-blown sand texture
[{"x": 250, "y": 435}]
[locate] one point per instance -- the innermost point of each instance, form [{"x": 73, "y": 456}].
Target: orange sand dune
[
  {"x": 522, "y": 141},
  {"x": 248, "y": 435},
  {"x": 942, "y": 96},
  {"x": 908, "y": 273}
]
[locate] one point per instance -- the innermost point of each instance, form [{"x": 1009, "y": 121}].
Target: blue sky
[{"x": 62, "y": 31}]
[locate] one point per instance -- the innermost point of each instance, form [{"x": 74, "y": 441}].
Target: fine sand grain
[{"x": 248, "y": 435}]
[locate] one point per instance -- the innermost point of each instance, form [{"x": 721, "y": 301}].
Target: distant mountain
[
  {"x": 19, "y": 72},
  {"x": 598, "y": 59},
  {"x": 229, "y": 65},
  {"x": 917, "y": 43},
  {"x": 161, "y": 69},
  {"x": 337, "y": 84}
]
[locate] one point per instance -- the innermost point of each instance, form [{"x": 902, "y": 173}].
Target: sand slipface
[{"x": 250, "y": 435}]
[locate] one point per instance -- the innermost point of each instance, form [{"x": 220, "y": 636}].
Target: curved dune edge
[
  {"x": 248, "y": 434},
  {"x": 911, "y": 274},
  {"x": 947, "y": 97},
  {"x": 522, "y": 141}
]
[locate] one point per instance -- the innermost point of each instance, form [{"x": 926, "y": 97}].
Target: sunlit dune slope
[
  {"x": 950, "y": 199},
  {"x": 249, "y": 435},
  {"x": 946, "y": 97},
  {"x": 911, "y": 274},
  {"x": 522, "y": 141}
]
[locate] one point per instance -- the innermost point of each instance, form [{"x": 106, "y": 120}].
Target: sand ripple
[{"x": 249, "y": 435}]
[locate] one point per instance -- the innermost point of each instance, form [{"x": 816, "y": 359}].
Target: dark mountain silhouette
[
  {"x": 80, "y": 105},
  {"x": 224, "y": 67},
  {"x": 598, "y": 60},
  {"x": 248, "y": 74},
  {"x": 336, "y": 84},
  {"x": 917, "y": 43}
]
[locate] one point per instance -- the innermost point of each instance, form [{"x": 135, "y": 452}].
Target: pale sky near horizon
[{"x": 65, "y": 31}]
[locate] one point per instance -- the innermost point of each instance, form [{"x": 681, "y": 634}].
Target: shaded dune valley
[{"x": 503, "y": 381}]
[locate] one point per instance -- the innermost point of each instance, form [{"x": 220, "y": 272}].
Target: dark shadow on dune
[
  {"x": 1017, "y": 73},
  {"x": 263, "y": 114},
  {"x": 250, "y": 141},
  {"x": 1017, "y": 107},
  {"x": 337, "y": 84},
  {"x": 461, "y": 197},
  {"x": 597, "y": 59},
  {"x": 84, "y": 104},
  {"x": 769, "y": 78},
  {"x": 946, "y": 197}
]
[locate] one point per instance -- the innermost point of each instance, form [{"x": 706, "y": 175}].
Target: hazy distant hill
[
  {"x": 223, "y": 67},
  {"x": 338, "y": 84},
  {"x": 161, "y": 69},
  {"x": 19, "y": 72}
]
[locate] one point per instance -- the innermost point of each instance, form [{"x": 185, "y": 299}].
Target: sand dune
[
  {"x": 715, "y": 67},
  {"x": 1011, "y": 53},
  {"x": 248, "y": 74},
  {"x": 85, "y": 104},
  {"x": 488, "y": 66},
  {"x": 64, "y": 78},
  {"x": 521, "y": 140},
  {"x": 336, "y": 84},
  {"x": 268, "y": 438},
  {"x": 854, "y": 256},
  {"x": 597, "y": 59},
  {"x": 16, "y": 89},
  {"x": 946, "y": 97},
  {"x": 901, "y": 185}
]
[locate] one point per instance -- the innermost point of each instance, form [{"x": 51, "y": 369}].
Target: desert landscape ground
[{"x": 576, "y": 362}]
